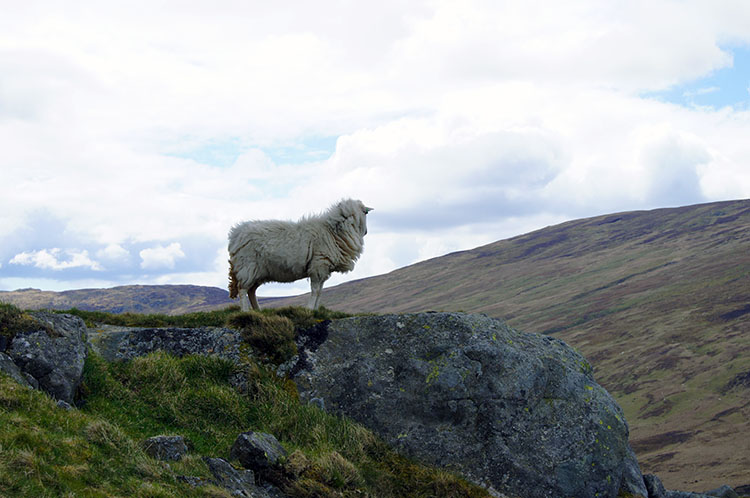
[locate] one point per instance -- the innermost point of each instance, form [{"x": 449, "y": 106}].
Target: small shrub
[
  {"x": 296, "y": 464},
  {"x": 338, "y": 472},
  {"x": 270, "y": 335},
  {"x": 302, "y": 318},
  {"x": 108, "y": 435}
]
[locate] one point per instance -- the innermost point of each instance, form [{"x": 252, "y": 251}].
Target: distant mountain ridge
[
  {"x": 658, "y": 301},
  {"x": 167, "y": 299}
]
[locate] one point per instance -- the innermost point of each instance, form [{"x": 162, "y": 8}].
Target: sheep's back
[{"x": 277, "y": 250}]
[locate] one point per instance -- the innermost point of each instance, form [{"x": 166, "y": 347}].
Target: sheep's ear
[{"x": 367, "y": 209}]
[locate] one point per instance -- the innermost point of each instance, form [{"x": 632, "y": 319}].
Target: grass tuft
[
  {"x": 13, "y": 321},
  {"x": 272, "y": 336}
]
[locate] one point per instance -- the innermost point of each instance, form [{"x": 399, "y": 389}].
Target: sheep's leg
[
  {"x": 316, "y": 286},
  {"x": 244, "y": 301},
  {"x": 253, "y": 299}
]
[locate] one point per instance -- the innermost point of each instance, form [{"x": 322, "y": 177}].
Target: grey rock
[
  {"x": 519, "y": 413},
  {"x": 724, "y": 491},
  {"x": 632, "y": 479},
  {"x": 31, "y": 380},
  {"x": 124, "y": 343},
  {"x": 654, "y": 486},
  {"x": 237, "y": 482},
  {"x": 65, "y": 406},
  {"x": 55, "y": 362},
  {"x": 257, "y": 450},
  {"x": 9, "y": 367},
  {"x": 193, "y": 481},
  {"x": 165, "y": 447},
  {"x": 685, "y": 494}
]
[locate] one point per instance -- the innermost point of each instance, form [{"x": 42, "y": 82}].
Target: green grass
[
  {"x": 46, "y": 451},
  {"x": 301, "y": 317},
  {"x": 95, "y": 450}
]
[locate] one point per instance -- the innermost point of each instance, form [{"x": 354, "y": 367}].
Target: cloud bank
[{"x": 132, "y": 143}]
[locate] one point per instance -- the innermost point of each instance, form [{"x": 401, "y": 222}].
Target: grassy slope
[
  {"x": 658, "y": 301},
  {"x": 94, "y": 451}
]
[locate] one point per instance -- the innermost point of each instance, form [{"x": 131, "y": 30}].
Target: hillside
[
  {"x": 658, "y": 301},
  {"x": 146, "y": 299}
]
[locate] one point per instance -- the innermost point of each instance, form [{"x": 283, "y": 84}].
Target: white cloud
[
  {"x": 458, "y": 121},
  {"x": 113, "y": 252},
  {"x": 161, "y": 257},
  {"x": 56, "y": 259}
]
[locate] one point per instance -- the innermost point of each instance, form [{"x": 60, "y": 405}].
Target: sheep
[{"x": 285, "y": 251}]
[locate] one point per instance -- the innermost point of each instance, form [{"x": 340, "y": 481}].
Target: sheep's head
[{"x": 350, "y": 214}]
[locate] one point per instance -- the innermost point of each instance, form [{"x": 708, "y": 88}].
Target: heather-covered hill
[{"x": 658, "y": 301}]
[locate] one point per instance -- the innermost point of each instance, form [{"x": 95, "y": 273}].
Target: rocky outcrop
[
  {"x": 520, "y": 413},
  {"x": 124, "y": 343},
  {"x": 54, "y": 361}
]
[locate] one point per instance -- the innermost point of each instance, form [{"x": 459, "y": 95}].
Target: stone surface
[
  {"x": 654, "y": 486},
  {"x": 237, "y": 482},
  {"x": 520, "y": 413},
  {"x": 165, "y": 447},
  {"x": 632, "y": 479},
  {"x": 124, "y": 343},
  {"x": 63, "y": 405},
  {"x": 9, "y": 367},
  {"x": 257, "y": 450},
  {"x": 724, "y": 491},
  {"x": 56, "y": 363},
  {"x": 685, "y": 494}
]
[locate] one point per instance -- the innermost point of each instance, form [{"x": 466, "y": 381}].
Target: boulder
[
  {"x": 257, "y": 450},
  {"x": 55, "y": 361},
  {"x": 520, "y": 413},
  {"x": 165, "y": 447}
]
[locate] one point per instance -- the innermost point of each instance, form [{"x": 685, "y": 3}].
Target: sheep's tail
[{"x": 234, "y": 286}]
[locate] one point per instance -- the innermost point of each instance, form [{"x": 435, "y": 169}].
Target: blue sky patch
[
  {"x": 729, "y": 86},
  {"x": 224, "y": 153},
  {"x": 306, "y": 150}
]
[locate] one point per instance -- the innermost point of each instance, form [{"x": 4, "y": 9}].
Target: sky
[{"x": 134, "y": 135}]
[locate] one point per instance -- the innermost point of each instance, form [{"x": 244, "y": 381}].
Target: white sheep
[{"x": 285, "y": 251}]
